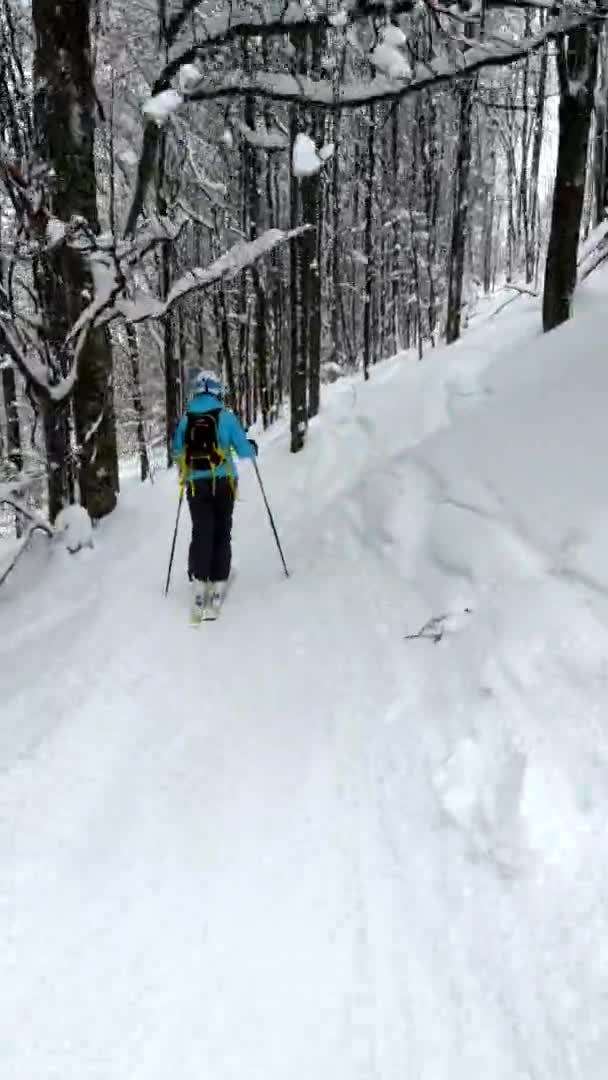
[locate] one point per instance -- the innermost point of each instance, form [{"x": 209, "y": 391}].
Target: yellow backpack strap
[
  {"x": 231, "y": 473},
  {"x": 182, "y": 473}
]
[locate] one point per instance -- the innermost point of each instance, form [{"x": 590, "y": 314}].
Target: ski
[
  {"x": 211, "y": 614},
  {"x": 213, "y": 610},
  {"x": 205, "y": 612},
  {"x": 197, "y": 614}
]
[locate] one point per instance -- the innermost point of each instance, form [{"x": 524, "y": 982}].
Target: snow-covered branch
[
  {"x": 227, "y": 27},
  {"x": 30, "y": 363},
  {"x": 231, "y": 263},
  {"x": 263, "y": 139},
  {"x": 9, "y": 495},
  {"x": 324, "y": 93},
  {"x": 523, "y": 290},
  {"x": 593, "y": 252}
]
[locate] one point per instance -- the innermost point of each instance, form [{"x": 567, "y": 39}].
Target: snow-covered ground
[{"x": 298, "y": 843}]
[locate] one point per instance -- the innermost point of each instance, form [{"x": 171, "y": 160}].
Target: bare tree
[
  {"x": 64, "y": 114},
  {"x": 576, "y": 56}
]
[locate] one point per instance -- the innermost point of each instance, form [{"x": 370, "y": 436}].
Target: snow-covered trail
[{"x": 226, "y": 852}]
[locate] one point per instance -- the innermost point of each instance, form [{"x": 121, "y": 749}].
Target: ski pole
[
  {"x": 270, "y": 517},
  {"x": 179, "y": 510}
]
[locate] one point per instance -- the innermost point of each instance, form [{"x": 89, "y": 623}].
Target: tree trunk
[
  {"x": 395, "y": 260},
  {"x": 13, "y": 429},
  {"x": 64, "y": 111},
  {"x": 312, "y": 214},
  {"x": 460, "y": 215},
  {"x": 600, "y": 139},
  {"x": 577, "y": 67},
  {"x": 432, "y": 154},
  {"x": 537, "y": 144},
  {"x": 336, "y": 287},
  {"x": 488, "y": 221},
  {"x": 11, "y": 407},
  {"x": 138, "y": 406},
  {"x": 174, "y": 395},
  {"x": 227, "y": 362},
  {"x": 299, "y": 370},
  {"x": 252, "y": 185},
  {"x": 276, "y": 293},
  {"x": 523, "y": 199},
  {"x": 368, "y": 356}
]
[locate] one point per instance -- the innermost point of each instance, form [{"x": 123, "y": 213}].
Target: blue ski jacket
[{"x": 231, "y": 438}]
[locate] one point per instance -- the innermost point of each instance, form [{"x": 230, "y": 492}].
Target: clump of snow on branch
[
  {"x": 294, "y": 13},
  {"x": 160, "y": 107},
  {"x": 339, "y": 19},
  {"x": 55, "y": 231},
  {"x": 306, "y": 159},
  {"x": 74, "y": 527},
  {"x": 387, "y": 56},
  {"x": 263, "y": 138},
  {"x": 393, "y": 36},
  {"x": 189, "y": 77}
]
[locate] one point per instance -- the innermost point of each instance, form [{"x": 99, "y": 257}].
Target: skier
[{"x": 204, "y": 442}]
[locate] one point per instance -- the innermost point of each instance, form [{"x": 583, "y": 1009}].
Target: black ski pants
[{"x": 211, "y": 505}]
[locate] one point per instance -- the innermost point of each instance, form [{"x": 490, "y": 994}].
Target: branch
[
  {"x": 322, "y": 93},
  {"x": 524, "y": 290},
  {"x": 23, "y": 545},
  {"x": 435, "y": 627},
  {"x": 593, "y": 252},
  {"x": 145, "y": 169},
  {"x": 178, "y": 21},
  {"x": 31, "y": 367},
  {"x": 262, "y": 139},
  {"x": 224, "y": 29},
  {"x": 228, "y": 265},
  {"x": 8, "y": 495}
]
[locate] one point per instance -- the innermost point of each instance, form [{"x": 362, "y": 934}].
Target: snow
[
  {"x": 161, "y": 107},
  {"x": 296, "y": 841},
  {"x": 327, "y": 151},
  {"x": 592, "y": 250},
  {"x": 339, "y": 19},
  {"x": 262, "y": 138},
  {"x": 232, "y": 262},
  {"x": 37, "y": 371},
  {"x": 306, "y": 159},
  {"x": 128, "y": 157},
  {"x": 74, "y": 527},
  {"x": 394, "y": 70},
  {"x": 393, "y": 36},
  {"x": 294, "y": 13},
  {"x": 388, "y": 60},
  {"x": 55, "y": 231},
  {"x": 189, "y": 77}
]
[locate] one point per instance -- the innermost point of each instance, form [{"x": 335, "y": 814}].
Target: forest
[
  {"x": 282, "y": 192},
  {"x": 303, "y": 540}
]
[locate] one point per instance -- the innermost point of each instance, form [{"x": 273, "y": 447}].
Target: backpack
[{"x": 203, "y": 452}]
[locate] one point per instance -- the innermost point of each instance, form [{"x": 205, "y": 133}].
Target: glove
[{"x": 253, "y": 443}]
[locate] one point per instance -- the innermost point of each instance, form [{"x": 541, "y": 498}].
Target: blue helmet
[{"x": 207, "y": 382}]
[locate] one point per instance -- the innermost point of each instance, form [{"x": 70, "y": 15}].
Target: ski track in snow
[{"x": 292, "y": 843}]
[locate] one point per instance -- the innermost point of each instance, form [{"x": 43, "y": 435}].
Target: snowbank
[{"x": 345, "y": 847}]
